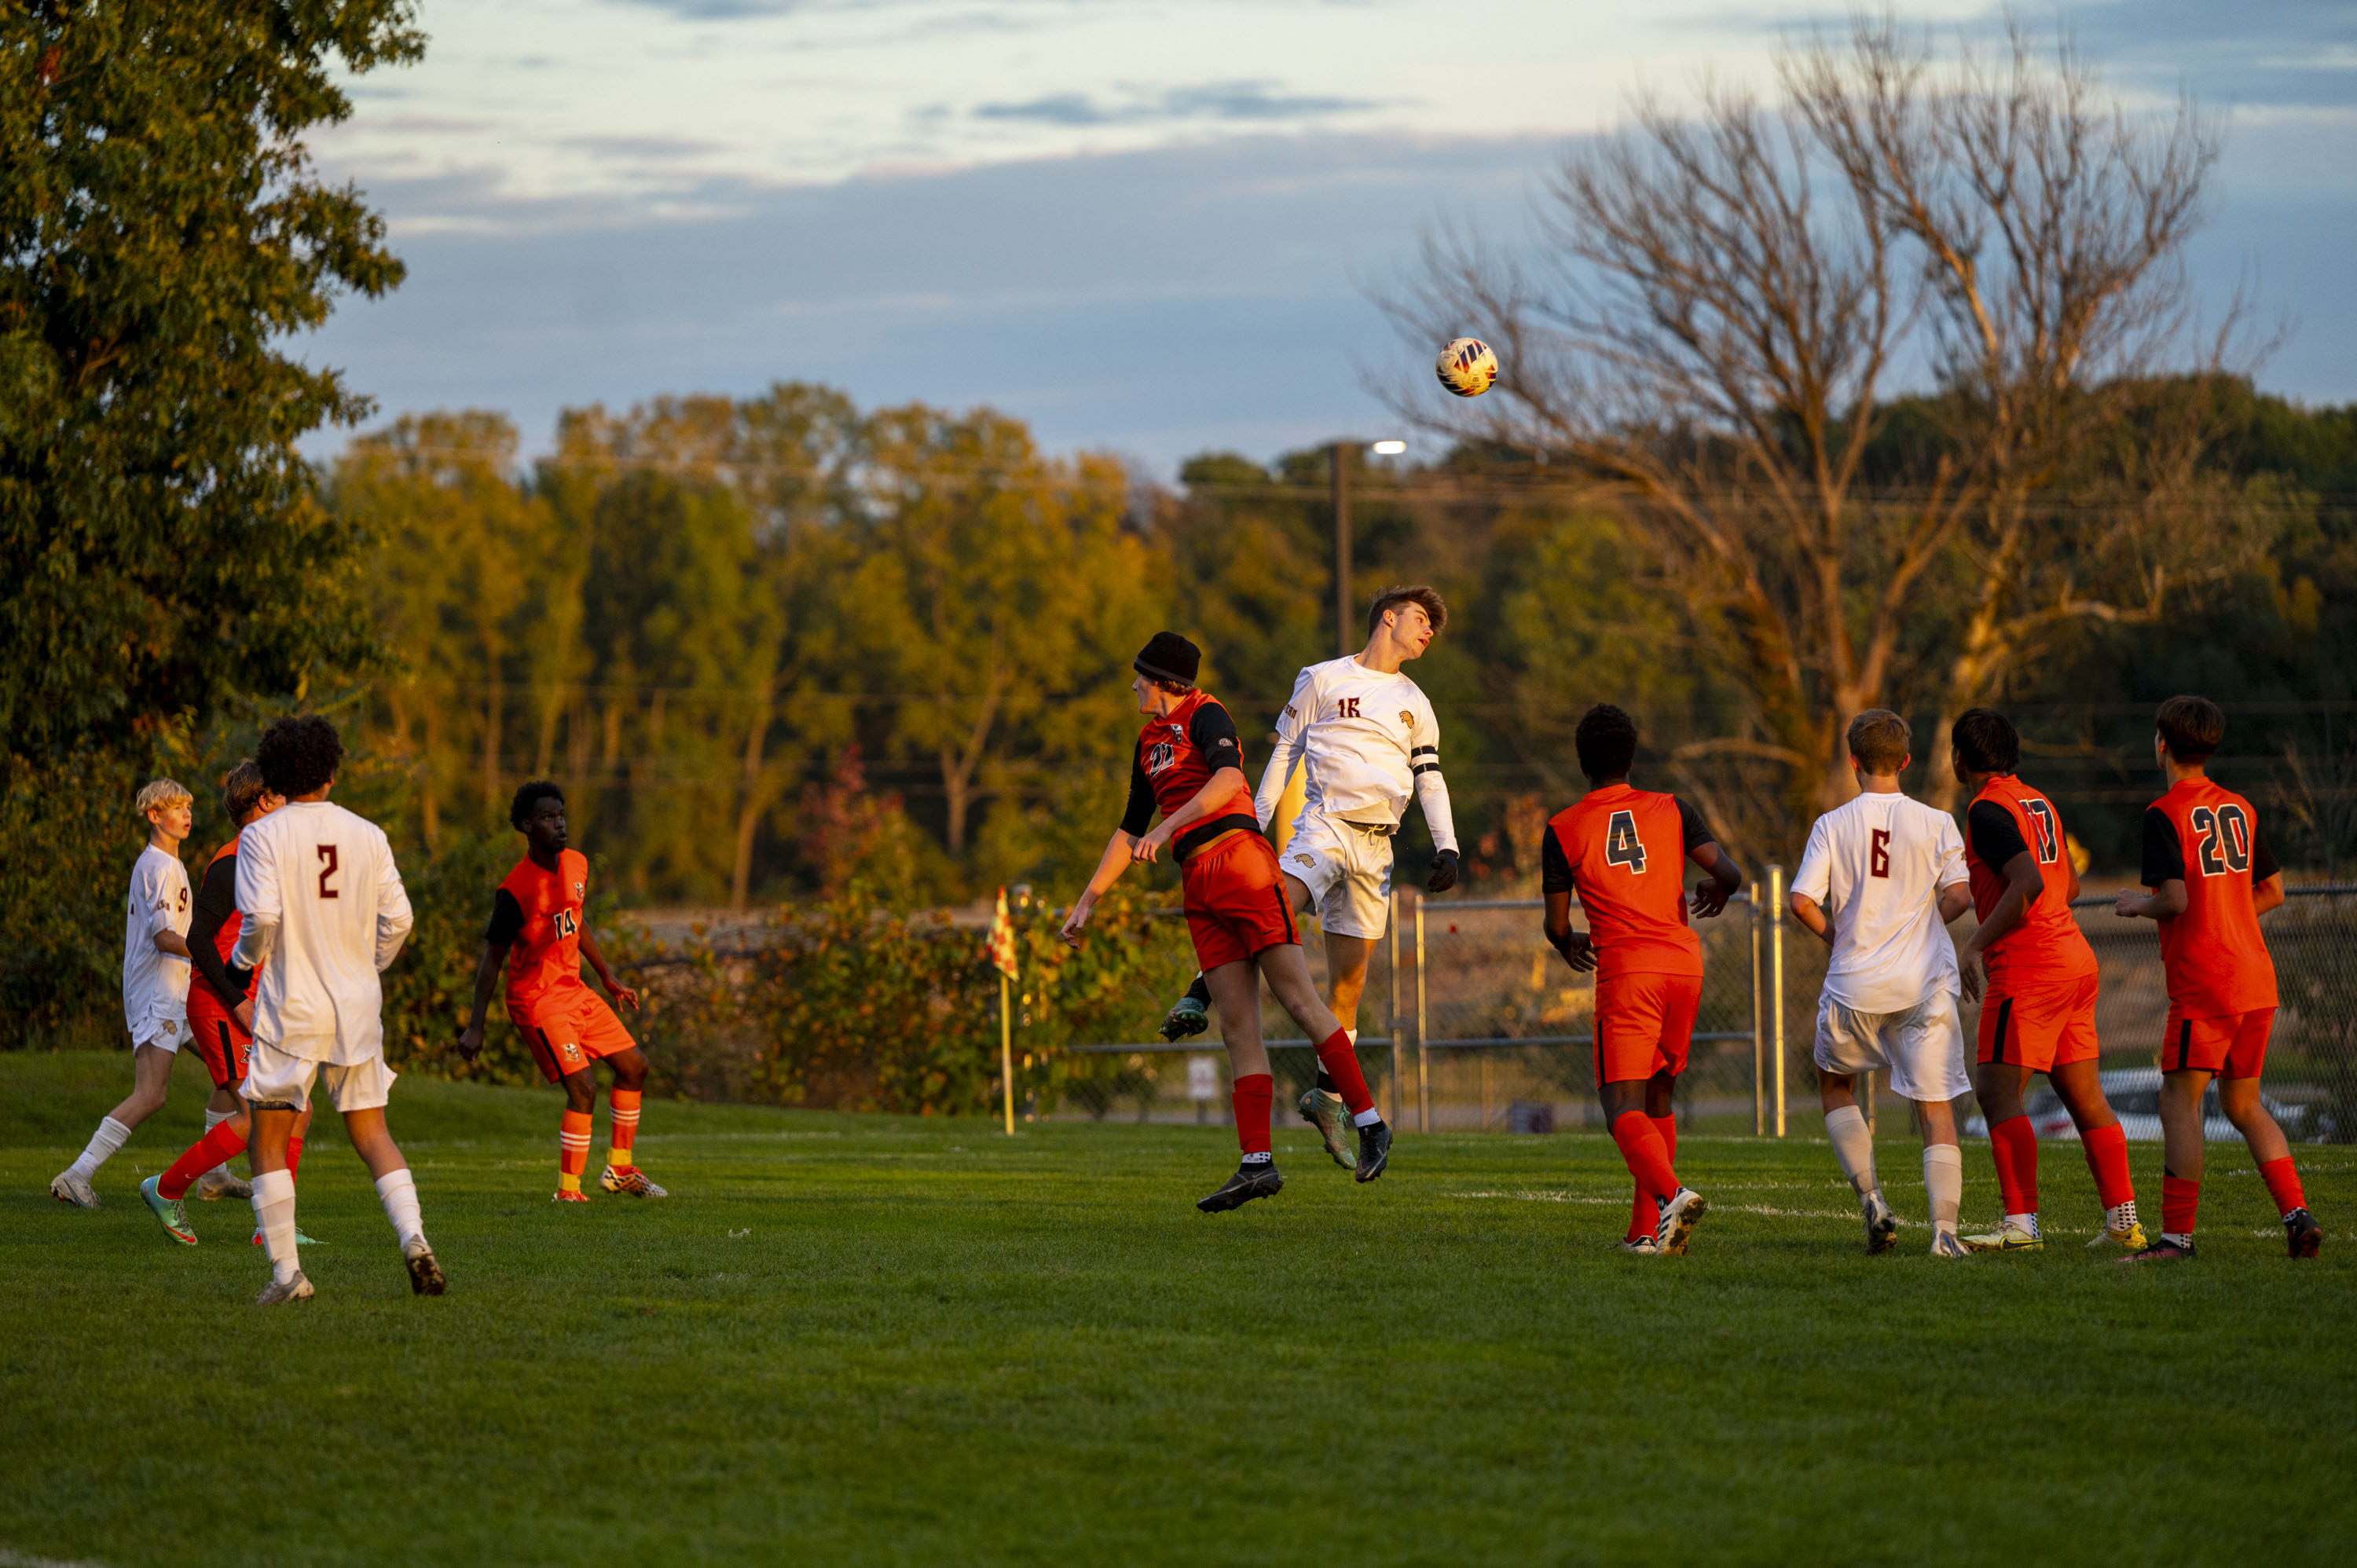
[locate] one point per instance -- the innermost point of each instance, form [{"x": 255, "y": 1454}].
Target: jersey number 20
[
  {"x": 1622, "y": 845},
  {"x": 2228, "y": 824}
]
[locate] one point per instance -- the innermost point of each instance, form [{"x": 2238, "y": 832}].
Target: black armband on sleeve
[
  {"x": 1996, "y": 838},
  {"x": 507, "y": 919},
  {"x": 1138, "y": 815},
  {"x": 1555, "y": 866},
  {"x": 2164, "y": 857}
]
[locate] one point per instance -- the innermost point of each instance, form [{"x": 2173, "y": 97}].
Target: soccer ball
[{"x": 1467, "y": 366}]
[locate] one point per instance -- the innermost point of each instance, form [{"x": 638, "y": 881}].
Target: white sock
[
  {"x": 273, "y": 1212},
  {"x": 2121, "y": 1215},
  {"x": 1366, "y": 1118},
  {"x": 1853, "y": 1146},
  {"x": 1351, "y": 1035},
  {"x": 213, "y": 1118},
  {"x": 1943, "y": 1179},
  {"x": 2023, "y": 1222},
  {"x": 110, "y": 1135},
  {"x": 399, "y": 1193}
]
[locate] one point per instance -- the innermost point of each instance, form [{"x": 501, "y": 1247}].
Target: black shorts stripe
[
  {"x": 2004, "y": 1022},
  {"x": 2184, "y": 1043},
  {"x": 1285, "y": 912}
]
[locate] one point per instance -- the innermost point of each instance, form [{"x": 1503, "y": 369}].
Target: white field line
[
  {"x": 1623, "y": 1203},
  {"x": 19, "y": 1560}
]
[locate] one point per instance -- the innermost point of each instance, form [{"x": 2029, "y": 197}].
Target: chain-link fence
[{"x": 1470, "y": 1020}]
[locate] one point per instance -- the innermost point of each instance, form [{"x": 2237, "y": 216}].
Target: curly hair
[
  {"x": 1606, "y": 741},
  {"x": 529, "y": 796},
  {"x": 298, "y": 754}
]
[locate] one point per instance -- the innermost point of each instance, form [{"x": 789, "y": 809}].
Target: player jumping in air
[
  {"x": 1366, "y": 735},
  {"x": 219, "y": 1013},
  {"x": 1624, "y": 851},
  {"x": 2039, "y": 1013},
  {"x": 538, "y": 930},
  {"x": 1879, "y": 881},
  {"x": 1189, "y": 763},
  {"x": 2211, "y": 878},
  {"x": 155, "y": 986},
  {"x": 324, "y": 912}
]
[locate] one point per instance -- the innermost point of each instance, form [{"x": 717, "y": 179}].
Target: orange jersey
[
  {"x": 1623, "y": 851},
  {"x": 2215, "y": 959},
  {"x": 540, "y": 912},
  {"x": 2007, "y": 819}
]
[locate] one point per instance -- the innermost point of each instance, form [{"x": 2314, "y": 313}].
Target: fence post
[
  {"x": 1759, "y": 1029},
  {"x": 1776, "y": 982},
  {"x": 1423, "y": 1058},
  {"x": 1391, "y": 932}
]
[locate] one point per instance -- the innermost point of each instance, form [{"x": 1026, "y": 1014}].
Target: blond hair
[{"x": 159, "y": 793}]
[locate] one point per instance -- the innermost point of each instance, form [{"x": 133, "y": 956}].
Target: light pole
[{"x": 1346, "y": 642}]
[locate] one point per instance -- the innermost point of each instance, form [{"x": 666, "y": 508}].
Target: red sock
[
  {"x": 572, "y": 1150},
  {"x": 2283, "y": 1185},
  {"x": 294, "y": 1155},
  {"x": 2012, "y": 1144},
  {"x": 223, "y": 1142},
  {"x": 2107, "y": 1157},
  {"x": 1644, "y": 1216},
  {"x": 1340, "y": 1061},
  {"x": 1253, "y": 1094},
  {"x": 2180, "y": 1201},
  {"x": 1649, "y": 1162}
]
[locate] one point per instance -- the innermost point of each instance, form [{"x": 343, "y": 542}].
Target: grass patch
[{"x": 870, "y": 1339}]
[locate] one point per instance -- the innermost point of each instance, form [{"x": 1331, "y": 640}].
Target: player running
[
  {"x": 1190, "y": 763},
  {"x": 219, "y": 1009},
  {"x": 1367, "y": 738},
  {"x": 2039, "y": 1013},
  {"x": 155, "y": 985},
  {"x": 2212, "y": 878},
  {"x": 1875, "y": 873},
  {"x": 1614, "y": 849},
  {"x": 539, "y": 931},
  {"x": 325, "y": 910}
]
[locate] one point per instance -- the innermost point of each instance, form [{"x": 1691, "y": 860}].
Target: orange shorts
[
  {"x": 2233, "y": 1046},
  {"x": 1644, "y": 1025},
  {"x": 568, "y": 1030},
  {"x": 220, "y": 1044},
  {"x": 2042, "y": 1029},
  {"x": 1235, "y": 903}
]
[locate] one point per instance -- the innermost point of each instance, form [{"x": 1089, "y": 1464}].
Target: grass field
[{"x": 865, "y": 1339}]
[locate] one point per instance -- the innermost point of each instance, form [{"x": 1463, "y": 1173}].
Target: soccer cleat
[
  {"x": 1641, "y": 1246},
  {"x": 2005, "y": 1238},
  {"x": 300, "y": 1240},
  {"x": 424, "y": 1272},
  {"x": 1322, "y": 1109},
  {"x": 1187, "y": 1017},
  {"x": 1948, "y": 1244},
  {"x": 68, "y": 1187},
  {"x": 633, "y": 1181},
  {"x": 2303, "y": 1233},
  {"x": 297, "y": 1289},
  {"x": 1678, "y": 1218},
  {"x": 212, "y": 1186},
  {"x": 568, "y": 1195},
  {"x": 168, "y": 1210},
  {"x": 1248, "y": 1183},
  {"x": 1375, "y": 1150},
  {"x": 2165, "y": 1250},
  {"x": 1881, "y": 1225},
  {"x": 2131, "y": 1239}
]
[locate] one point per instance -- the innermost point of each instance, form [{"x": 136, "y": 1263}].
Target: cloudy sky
[{"x": 1146, "y": 226}]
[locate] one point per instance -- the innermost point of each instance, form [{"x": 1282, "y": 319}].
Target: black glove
[{"x": 1444, "y": 872}]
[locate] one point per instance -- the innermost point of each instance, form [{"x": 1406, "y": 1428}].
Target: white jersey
[
  {"x": 1876, "y": 866},
  {"x": 1369, "y": 740},
  {"x": 154, "y": 983},
  {"x": 323, "y": 902}
]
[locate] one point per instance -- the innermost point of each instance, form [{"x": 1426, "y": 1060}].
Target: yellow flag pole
[{"x": 1006, "y": 1050}]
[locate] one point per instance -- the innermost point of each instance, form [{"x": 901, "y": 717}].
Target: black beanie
[{"x": 1167, "y": 656}]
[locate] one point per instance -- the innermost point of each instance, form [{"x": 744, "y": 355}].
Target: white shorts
[
  {"x": 1347, "y": 870},
  {"x": 165, "y": 1031},
  {"x": 274, "y": 1076},
  {"x": 1922, "y": 1046}
]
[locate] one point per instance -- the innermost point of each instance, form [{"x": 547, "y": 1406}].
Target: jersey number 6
[
  {"x": 328, "y": 869},
  {"x": 1622, "y": 845}
]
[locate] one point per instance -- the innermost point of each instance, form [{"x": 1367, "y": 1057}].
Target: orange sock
[
  {"x": 222, "y": 1143},
  {"x": 624, "y": 1103},
  {"x": 2106, "y": 1149},
  {"x": 1649, "y": 1162},
  {"x": 1644, "y": 1216},
  {"x": 2013, "y": 1145},
  {"x": 294, "y": 1155},
  {"x": 572, "y": 1151},
  {"x": 2283, "y": 1185},
  {"x": 2180, "y": 1201}
]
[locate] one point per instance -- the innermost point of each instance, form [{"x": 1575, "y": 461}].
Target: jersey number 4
[
  {"x": 1622, "y": 845},
  {"x": 2225, "y": 828}
]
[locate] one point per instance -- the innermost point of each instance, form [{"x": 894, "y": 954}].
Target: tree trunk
[
  {"x": 491, "y": 739},
  {"x": 749, "y": 806}
]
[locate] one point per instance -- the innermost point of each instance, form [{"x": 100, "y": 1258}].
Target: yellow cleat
[
  {"x": 2131, "y": 1239},
  {"x": 2006, "y": 1239},
  {"x": 630, "y": 1180}
]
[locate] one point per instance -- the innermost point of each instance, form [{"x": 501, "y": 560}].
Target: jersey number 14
[{"x": 1622, "y": 845}]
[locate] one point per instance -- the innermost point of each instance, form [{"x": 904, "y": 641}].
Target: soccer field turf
[{"x": 855, "y": 1339}]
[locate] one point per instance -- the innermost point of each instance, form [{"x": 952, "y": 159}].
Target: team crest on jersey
[
  {"x": 1407, "y": 719},
  {"x": 581, "y": 890},
  {"x": 171, "y": 1029},
  {"x": 1309, "y": 860}
]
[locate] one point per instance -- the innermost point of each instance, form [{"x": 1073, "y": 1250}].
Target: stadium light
[{"x": 1389, "y": 448}]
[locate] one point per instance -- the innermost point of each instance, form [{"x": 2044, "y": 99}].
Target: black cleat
[
  {"x": 2163, "y": 1250},
  {"x": 1374, "y": 1149},
  {"x": 1191, "y": 1014},
  {"x": 2303, "y": 1232},
  {"x": 424, "y": 1273},
  {"x": 1248, "y": 1183}
]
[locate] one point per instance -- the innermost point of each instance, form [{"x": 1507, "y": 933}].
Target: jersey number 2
[
  {"x": 2225, "y": 828},
  {"x": 1622, "y": 845},
  {"x": 327, "y": 869}
]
